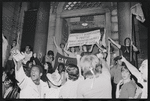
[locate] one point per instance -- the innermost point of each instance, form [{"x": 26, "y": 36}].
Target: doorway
[
  {"x": 75, "y": 25},
  {"x": 29, "y": 28}
]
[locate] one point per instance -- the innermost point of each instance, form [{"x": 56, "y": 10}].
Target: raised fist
[{"x": 123, "y": 58}]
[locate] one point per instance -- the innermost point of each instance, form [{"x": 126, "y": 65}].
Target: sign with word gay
[
  {"x": 88, "y": 38},
  {"x": 63, "y": 59}
]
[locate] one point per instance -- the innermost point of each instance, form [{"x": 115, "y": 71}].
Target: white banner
[
  {"x": 88, "y": 38},
  {"x": 137, "y": 10}
]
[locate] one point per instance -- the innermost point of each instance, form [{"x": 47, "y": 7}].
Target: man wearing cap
[{"x": 55, "y": 80}]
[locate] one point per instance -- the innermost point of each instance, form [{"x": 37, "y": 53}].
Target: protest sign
[
  {"x": 88, "y": 38},
  {"x": 63, "y": 59}
]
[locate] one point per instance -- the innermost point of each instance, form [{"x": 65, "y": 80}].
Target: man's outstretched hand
[
  {"x": 17, "y": 55},
  {"x": 18, "y": 58}
]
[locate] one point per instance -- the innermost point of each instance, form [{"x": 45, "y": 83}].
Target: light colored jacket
[{"x": 28, "y": 87}]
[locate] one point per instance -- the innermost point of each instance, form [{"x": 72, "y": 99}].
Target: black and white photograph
[{"x": 75, "y": 50}]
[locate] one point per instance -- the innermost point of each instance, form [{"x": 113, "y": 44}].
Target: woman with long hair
[
  {"x": 125, "y": 49},
  {"x": 47, "y": 69}
]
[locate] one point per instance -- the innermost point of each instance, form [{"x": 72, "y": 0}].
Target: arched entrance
[{"x": 80, "y": 9}]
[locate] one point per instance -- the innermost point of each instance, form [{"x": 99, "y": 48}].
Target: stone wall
[
  {"x": 8, "y": 20},
  {"x": 51, "y": 31},
  {"x": 12, "y": 20},
  {"x": 114, "y": 30}
]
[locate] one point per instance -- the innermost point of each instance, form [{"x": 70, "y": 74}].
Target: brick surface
[
  {"x": 114, "y": 27},
  {"x": 114, "y": 35},
  {"x": 114, "y": 12},
  {"x": 114, "y": 19}
]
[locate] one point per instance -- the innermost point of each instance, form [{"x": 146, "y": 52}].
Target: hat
[
  {"x": 117, "y": 58},
  {"x": 54, "y": 78}
]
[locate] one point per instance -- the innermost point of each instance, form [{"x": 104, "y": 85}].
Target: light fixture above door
[
  {"x": 84, "y": 24},
  {"x": 84, "y": 19}
]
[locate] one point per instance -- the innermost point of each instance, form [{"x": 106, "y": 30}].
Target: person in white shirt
[
  {"x": 72, "y": 53},
  {"x": 15, "y": 43},
  {"x": 97, "y": 83},
  {"x": 49, "y": 57},
  {"x": 69, "y": 89},
  {"x": 141, "y": 75},
  {"x": 31, "y": 87},
  {"x": 28, "y": 54},
  {"x": 15, "y": 46},
  {"x": 4, "y": 51},
  {"x": 61, "y": 48}
]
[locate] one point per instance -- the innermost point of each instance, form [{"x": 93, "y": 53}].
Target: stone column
[
  {"x": 124, "y": 21},
  {"x": 41, "y": 33},
  {"x": 58, "y": 31},
  {"x": 51, "y": 31}
]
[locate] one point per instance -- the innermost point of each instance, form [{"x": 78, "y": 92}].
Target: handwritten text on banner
[{"x": 88, "y": 38}]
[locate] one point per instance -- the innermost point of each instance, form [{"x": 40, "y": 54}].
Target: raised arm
[
  {"x": 58, "y": 48},
  {"x": 118, "y": 89},
  {"x": 135, "y": 48},
  {"x": 113, "y": 42},
  {"x": 66, "y": 51},
  {"x": 78, "y": 63},
  {"x": 132, "y": 69},
  {"x": 4, "y": 47},
  {"x": 99, "y": 46},
  {"x": 18, "y": 38},
  {"x": 19, "y": 73},
  {"x": 4, "y": 39},
  {"x": 72, "y": 55},
  {"x": 91, "y": 48}
]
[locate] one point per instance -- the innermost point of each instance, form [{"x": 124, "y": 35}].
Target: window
[{"x": 80, "y": 5}]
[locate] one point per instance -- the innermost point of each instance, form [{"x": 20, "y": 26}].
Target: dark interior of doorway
[
  {"x": 87, "y": 30},
  {"x": 29, "y": 28}
]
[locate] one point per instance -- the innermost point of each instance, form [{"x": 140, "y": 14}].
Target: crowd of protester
[{"x": 25, "y": 76}]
